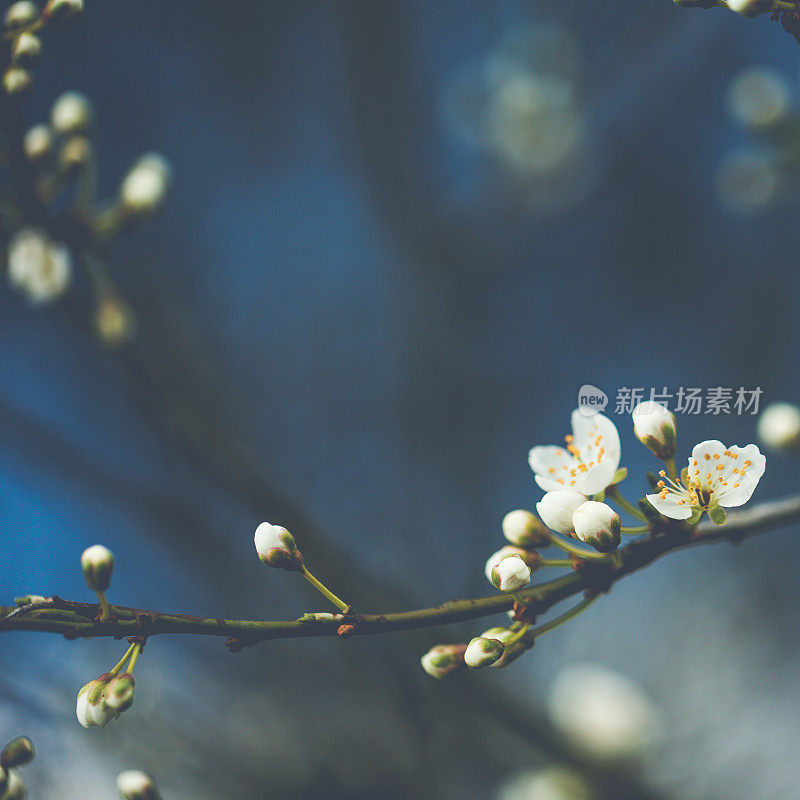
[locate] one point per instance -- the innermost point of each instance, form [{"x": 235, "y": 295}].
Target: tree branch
[{"x": 77, "y": 620}]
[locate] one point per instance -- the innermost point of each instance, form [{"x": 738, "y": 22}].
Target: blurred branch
[{"x": 77, "y": 620}]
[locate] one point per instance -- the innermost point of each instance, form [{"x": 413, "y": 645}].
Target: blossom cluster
[{"x": 580, "y": 480}]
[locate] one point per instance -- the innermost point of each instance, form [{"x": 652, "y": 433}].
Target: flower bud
[
  {"x": 135, "y": 785},
  {"x": 91, "y": 710},
  {"x": 530, "y": 557},
  {"x": 98, "y": 564},
  {"x": 26, "y": 50},
  {"x": 750, "y": 8},
  {"x": 20, "y": 15},
  {"x": 75, "y": 154},
  {"x": 144, "y": 189},
  {"x": 779, "y": 426},
  {"x": 511, "y": 652},
  {"x": 655, "y": 427},
  {"x": 17, "y": 81},
  {"x": 602, "y": 714},
  {"x": 61, "y": 10},
  {"x": 523, "y": 529},
  {"x": 443, "y": 660},
  {"x": 597, "y": 525},
  {"x": 114, "y": 320},
  {"x": 38, "y": 143},
  {"x": 71, "y": 114},
  {"x": 556, "y": 509},
  {"x": 276, "y": 547},
  {"x": 15, "y": 788},
  {"x": 17, "y": 752},
  {"x": 119, "y": 693},
  {"x": 511, "y": 574},
  {"x": 481, "y": 652}
]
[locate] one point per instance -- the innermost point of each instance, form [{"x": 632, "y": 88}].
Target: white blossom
[
  {"x": 71, "y": 114},
  {"x": 655, "y": 427},
  {"x": 749, "y": 8},
  {"x": 602, "y": 713},
  {"x": 597, "y": 525},
  {"x": 511, "y": 574},
  {"x": 717, "y": 476},
  {"x": 779, "y": 426},
  {"x": 482, "y": 651},
  {"x": 38, "y": 266},
  {"x": 38, "y": 142},
  {"x": 588, "y": 462},
  {"x": 556, "y": 509}
]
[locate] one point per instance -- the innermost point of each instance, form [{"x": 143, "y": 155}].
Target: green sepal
[
  {"x": 717, "y": 514},
  {"x": 620, "y": 475}
]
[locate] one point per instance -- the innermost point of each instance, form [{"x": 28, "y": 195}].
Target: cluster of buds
[
  {"x": 104, "y": 699},
  {"x": 135, "y": 785},
  {"x": 55, "y": 177},
  {"x": 23, "y": 20},
  {"x": 577, "y": 480},
  {"x": 15, "y": 754}
]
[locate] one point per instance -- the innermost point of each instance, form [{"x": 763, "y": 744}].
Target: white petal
[
  {"x": 734, "y": 495},
  {"x": 552, "y": 467},
  {"x": 556, "y": 509},
  {"x": 670, "y": 506},
  {"x": 597, "y": 441}
]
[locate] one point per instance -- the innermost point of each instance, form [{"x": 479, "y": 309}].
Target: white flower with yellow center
[
  {"x": 588, "y": 462},
  {"x": 717, "y": 476}
]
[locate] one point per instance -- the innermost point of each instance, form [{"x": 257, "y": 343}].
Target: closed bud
[
  {"x": 38, "y": 266},
  {"x": 276, "y": 547},
  {"x": 511, "y": 574},
  {"x": 530, "y": 557},
  {"x": 119, "y": 693},
  {"x": 135, "y": 785},
  {"x": 597, "y": 525},
  {"x": 15, "y": 788},
  {"x": 26, "y": 50},
  {"x": 71, "y": 114},
  {"x": 114, "y": 320},
  {"x": 20, "y": 15},
  {"x": 61, "y": 10},
  {"x": 655, "y": 427},
  {"x": 98, "y": 564},
  {"x": 481, "y": 652},
  {"x": 91, "y": 710},
  {"x": 17, "y": 81},
  {"x": 443, "y": 660},
  {"x": 523, "y": 529},
  {"x": 17, "y": 752},
  {"x": 750, "y": 8},
  {"x": 779, "y": 426},
  {"x": 556, "y": 509},
  {"x": 38, "y": 143},
  {"x": 146, "y": 186},
  {"x": 512, "y": 651}
]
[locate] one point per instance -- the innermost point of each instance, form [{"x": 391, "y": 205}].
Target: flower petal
[
  {"x": 741, "y": 485},
  {"x": 553, "y": 466},
  {"x": 670, "y": 506}
]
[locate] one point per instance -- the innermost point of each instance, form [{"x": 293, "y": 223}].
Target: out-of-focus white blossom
[
  {"x": 146, "y": 186},
  {"x": 750, "y": 8},
  {"x": 779, "y": 426},
  {"x": 135, "y": 785},
  {"x": 548, "y": 783},
  {"x": 71, "y": 114},
  {"x": 602, "y": 713},
  {"x": 443, "y": 660},
  {"x": 749, "y": 180},
  {"x": 758, "y": 97},
  {"x": 586, "y": 464},
  {"x": 20, "y": 14},
  {"x": 38, "y": 142},
  {"x": 97, "y": 563},
  {"x": 38, "y": 266},
  {"x": 60, "y": 10}
]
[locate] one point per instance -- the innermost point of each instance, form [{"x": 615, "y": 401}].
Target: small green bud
[
  {"x": 98, "y": 564},
  {"x": 17, "y": 752}
]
